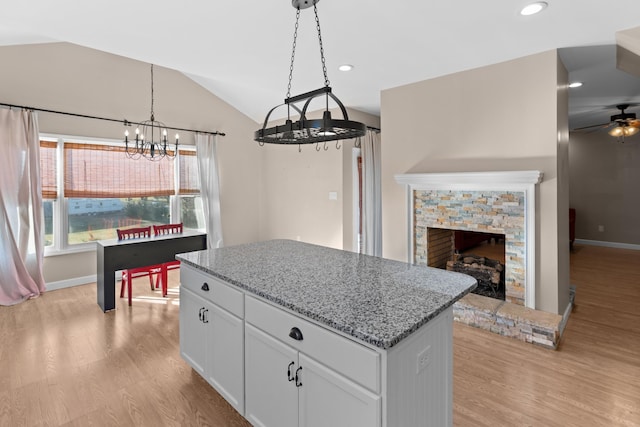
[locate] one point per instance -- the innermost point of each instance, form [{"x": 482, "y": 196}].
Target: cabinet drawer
[
  {"x": 351, "y": 359},
  {"x": 219, "y": 292}
]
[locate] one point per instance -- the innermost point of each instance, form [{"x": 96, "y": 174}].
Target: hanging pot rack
[{"x": 309, "y": 131}]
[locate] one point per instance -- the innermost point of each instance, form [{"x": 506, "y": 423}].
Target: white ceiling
[{"x": 240, "y": 50}]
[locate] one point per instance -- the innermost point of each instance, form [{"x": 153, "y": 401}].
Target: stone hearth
[{"x": 490, "y": 202}]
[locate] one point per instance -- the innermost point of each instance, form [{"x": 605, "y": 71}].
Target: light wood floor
[{"x": 64, "y": 362}]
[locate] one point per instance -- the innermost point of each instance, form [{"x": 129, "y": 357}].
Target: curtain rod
[
  {"x": 123, "y": 121},
  {"x": 376, "y": 130}
]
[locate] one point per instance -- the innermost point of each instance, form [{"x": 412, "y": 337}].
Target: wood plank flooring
[
  {"x": 593, "y": 379},
  {"x": 65, "y": 363}
]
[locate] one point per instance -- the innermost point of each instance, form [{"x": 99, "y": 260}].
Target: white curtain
[
  {"x": 371, "y": 194},
  {"x": 210, "y": 187},
  {"x": 21, "y": 215}
]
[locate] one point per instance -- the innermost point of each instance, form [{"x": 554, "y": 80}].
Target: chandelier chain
[
  {"x": 293, "y": 52},
  {"x": 152, "y": 115},
  {"x": 324, "y": 65}
]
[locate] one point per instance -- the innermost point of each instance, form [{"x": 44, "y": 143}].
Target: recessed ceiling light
[
  {"x": 533, "y": 8},
  {"x": 345, "y": 67},
  {"x": 575, "y": 84}
]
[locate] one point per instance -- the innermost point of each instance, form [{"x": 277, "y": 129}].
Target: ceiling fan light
[
  {"x": 630, "y": 130},
  {"x": 617, "y": 131}
]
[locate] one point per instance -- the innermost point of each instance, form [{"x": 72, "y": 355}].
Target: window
[
  {"x": 48, "y": 172},
  {"x": 102, "y": 190},
  {"x": 191, "y": 210}
]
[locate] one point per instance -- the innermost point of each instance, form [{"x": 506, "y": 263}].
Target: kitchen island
[{"x": 297, "y": 334}]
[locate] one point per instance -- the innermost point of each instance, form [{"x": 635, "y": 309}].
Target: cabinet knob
[
  {"x": 296, "y": 334},
  {"x": 205, "y": 286}
]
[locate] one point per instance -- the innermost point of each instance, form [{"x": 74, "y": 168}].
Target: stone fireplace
[
  {"x": 492, "y": 202},
  {"x": 501, "y": 203},
  {"x": 498, "y": 212}
]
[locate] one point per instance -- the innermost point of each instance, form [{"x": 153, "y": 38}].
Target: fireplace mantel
[
  {"x": 518, "y": 180},
  {"x": 500, "y": 181}
]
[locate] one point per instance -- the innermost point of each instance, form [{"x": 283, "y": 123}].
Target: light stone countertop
[{"x": 375, "y": 300}]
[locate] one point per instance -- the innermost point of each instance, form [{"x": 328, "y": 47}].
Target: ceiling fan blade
[
  {"x": 592, "y": 127},
  {"x": 634, "y": 123}
]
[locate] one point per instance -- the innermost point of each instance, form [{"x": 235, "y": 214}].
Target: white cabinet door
[
  {"x": 193, "y": 346},
  {"x": 271, "y": 395},
  {"x": 329, "y": 399},
  {"x": 225, "y": 355}
]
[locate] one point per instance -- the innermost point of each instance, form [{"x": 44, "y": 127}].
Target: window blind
[
  {"x": 189, "y": 178},
  {"x": 48, "y": 169},
  {"x": 104, "y": 171}
]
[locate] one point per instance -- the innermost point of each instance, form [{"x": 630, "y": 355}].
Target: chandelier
[
  {"x": 152, "y": 142},
  {"x": 305, "y": 130}
]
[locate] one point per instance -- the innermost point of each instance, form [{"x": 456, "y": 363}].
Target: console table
[{"x": 114, "y": 255}]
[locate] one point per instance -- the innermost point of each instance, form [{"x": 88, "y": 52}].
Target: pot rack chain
[
  {"x": 293, "y": 49},
  {"x": 293, "y": 52},
  {"x": 324, "y": 65}
]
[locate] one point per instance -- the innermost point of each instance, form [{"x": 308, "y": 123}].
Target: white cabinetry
[
  {"x": 287, "y": 387},
  {"x": 212, "y": 333},
  {"x": 270, "y": 368},
  {"x": 281, "y": 369}
]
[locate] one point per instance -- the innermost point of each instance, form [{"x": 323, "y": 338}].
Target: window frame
[{"x": 60, "y": 211}]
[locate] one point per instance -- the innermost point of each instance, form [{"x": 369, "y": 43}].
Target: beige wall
[
  {"x": 295, "y": 195},
  {"x": 562, "y": 234},
  {"x": 604, "y": 187},
  {"x": 605, "y": 174},
  {"x": 295, "y": 189},
  {"x": 70, "y": 78},
  {"x": 500, "y": 117}
]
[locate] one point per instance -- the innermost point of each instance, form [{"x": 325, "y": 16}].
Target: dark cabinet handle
[
  {"x": 289, "y": 376},
  {"x": 205, "y": 318},
  {"x": 296, "y": 334},
  {"x": 205, "y": 286},
  {"x": 298, "y": 377}
]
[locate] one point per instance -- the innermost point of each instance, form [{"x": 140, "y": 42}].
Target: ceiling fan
[{"x": 620, "y": 126}]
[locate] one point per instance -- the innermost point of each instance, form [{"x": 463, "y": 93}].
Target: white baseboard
[
  {"x": 61, "y": 284},
  {"x": 608, "y": 244}
]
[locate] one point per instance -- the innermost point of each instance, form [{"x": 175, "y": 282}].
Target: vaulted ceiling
[{"x": 241, "y": 50}]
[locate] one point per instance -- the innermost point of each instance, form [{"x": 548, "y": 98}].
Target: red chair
[
  {"x": 160, "y": 230},
  {"x": 132, "y": 273}
]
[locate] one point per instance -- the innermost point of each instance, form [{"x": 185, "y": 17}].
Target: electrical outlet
[
  {"x": 423, "y": 360},
  {"x": 601, "y": 228}
]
